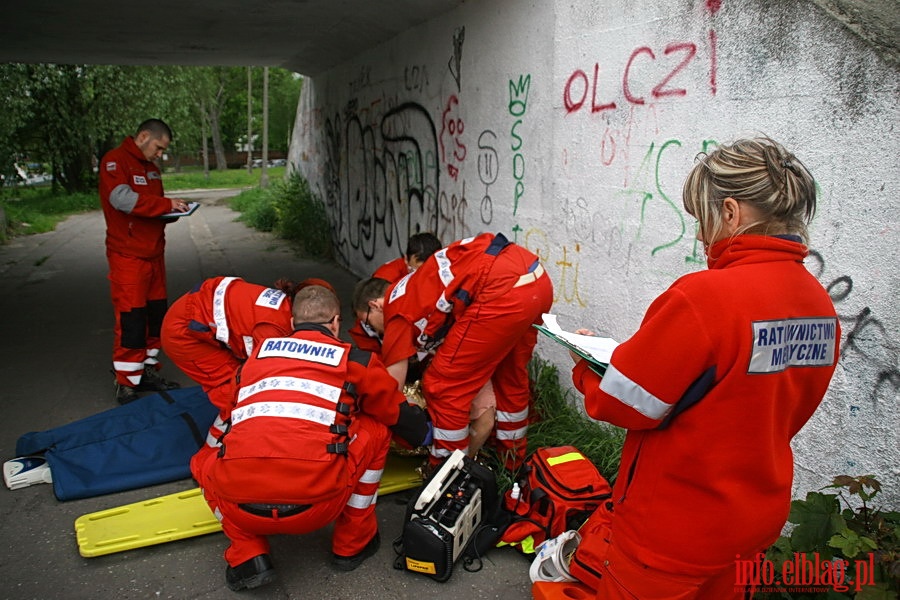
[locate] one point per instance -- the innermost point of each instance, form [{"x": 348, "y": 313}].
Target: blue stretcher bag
[{"x": 145, "y": 442}]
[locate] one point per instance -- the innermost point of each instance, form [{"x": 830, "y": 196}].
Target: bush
[
  {"x": 291, "y": 210},
  {"x": 302, "y": 217},
  {"x": 257, "y": 209},
  {"x": 862, "y": 544}
]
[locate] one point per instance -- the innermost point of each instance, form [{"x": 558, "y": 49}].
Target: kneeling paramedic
[{"x": 306, "y": 444}]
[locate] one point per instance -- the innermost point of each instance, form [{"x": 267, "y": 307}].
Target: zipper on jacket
[{"x": 631, "y": 470}]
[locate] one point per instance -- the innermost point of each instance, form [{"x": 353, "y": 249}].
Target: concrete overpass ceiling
[{"x": 306, "y": 36}]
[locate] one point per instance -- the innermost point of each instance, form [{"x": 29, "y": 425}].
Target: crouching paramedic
[
  {"x": 210, "y": 331},
  {"x": 472, "y": 304},
  {"x": 306, "y": 444}
]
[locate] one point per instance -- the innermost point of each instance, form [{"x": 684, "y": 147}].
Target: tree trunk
[
  {"x": 249, "y": 119},
  {"x": 205, "y": 148},
  {"x": 215, "y": 128},
  {"x": 264, "y": 176}
]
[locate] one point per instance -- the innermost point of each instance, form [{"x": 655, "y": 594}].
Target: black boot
[{"x": 250, "y": 574}]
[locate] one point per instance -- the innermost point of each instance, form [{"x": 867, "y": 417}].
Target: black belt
[{"x": 274, "y": 511}]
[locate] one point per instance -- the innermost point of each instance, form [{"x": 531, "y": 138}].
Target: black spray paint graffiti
[
  {"x": 488, "y": 170},
  {"x": 864, "y": 336},
  {"x": 459, "y": 36},
  {"x": 382, "y": 188},
  {"x": 382, "y": 182}
]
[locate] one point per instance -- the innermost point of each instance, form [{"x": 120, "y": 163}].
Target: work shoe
[
  {"x": 253, "y": 573},
  {"x": 151, "y": 381},
  {"x": 125, "y": 394},
  {"x": 348, "y": 563}
]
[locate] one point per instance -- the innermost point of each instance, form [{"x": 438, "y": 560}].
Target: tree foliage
[{"x": 68, "y": 116}]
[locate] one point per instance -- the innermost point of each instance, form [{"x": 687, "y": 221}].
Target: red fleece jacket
[{"x": 726, "y": 367}]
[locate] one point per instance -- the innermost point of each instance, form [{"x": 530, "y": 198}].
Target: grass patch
[
  {"x": 31, "y": 210},
  {"x": 38, "y": 210},
  {"x": 257, "y": 208},
  {"x": 559, "y": 422},
  {"x": 231, "y": 178},
  {"x": 291, "y": 210}
]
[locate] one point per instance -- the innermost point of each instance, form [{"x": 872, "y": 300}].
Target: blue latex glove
[{"x": 429, "y": 436}]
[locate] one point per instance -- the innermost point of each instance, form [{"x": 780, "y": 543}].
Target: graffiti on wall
[
  {"x": 865, "y": 337},
  {"x": 518, "y": 105},
  {"x": 660, "y": 78},
  {"x": 567, "y": 261},
  {"x": 454, "y": 64},
  {"x": 383, "y": 159},
  {"x": 381, "y": 181},
  {"x": 453, "y": 148}
]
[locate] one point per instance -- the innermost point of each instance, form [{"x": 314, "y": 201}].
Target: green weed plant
[
  {"x": 828, "y": 527},
  {"x": 291, "y": 210},
  {"x": 302, "y": 217}
]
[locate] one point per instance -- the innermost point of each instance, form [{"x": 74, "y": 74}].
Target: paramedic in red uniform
[
  {"x": 210, "y": 331},
  {"x": 131, "y": 194},
  {"x": 419, "y": 246},
  {"x": 726, "y": 367},
  {"x": 472, "y": 304},
  {"x": 307, "y": 443}
]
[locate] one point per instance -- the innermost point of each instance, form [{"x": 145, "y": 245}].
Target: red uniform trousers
[
  {"x": 618, "y": 576},
  {"x": 492, "y": 340},
  {"x": 138, "y": 291},
  {"x": 202, "y": 358},
  {"x": 208, "y": 362},
  {"x": 352, "y": 510}
]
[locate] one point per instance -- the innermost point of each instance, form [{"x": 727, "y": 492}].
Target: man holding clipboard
[{"x": 137, "y": 212}]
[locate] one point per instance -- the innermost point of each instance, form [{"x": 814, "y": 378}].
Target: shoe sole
[
  {"x": 347, "y": 563},
  {"x": 249, "y": 583}
]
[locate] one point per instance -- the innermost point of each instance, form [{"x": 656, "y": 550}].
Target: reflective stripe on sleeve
[
  {"x": 123, "y": 198},
  {"x": 631, "y": 394},
  {"x": 219, "y": 316},
  {"x": 371, "y": 476}
]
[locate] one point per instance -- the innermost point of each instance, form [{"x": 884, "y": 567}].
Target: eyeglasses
[
  {"x": 368, "y": 310},
  {"x": 328, "y": 322}
]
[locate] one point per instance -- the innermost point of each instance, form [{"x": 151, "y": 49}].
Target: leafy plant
[
  {"x": 290, "y": 209},
  {"x": 257, "y": 209},
  {"x": 864, "y": 540},
  {"x": 301, "y": 216}
]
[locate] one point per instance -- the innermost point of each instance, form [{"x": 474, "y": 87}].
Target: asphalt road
[{"x": 55, "y": 342}]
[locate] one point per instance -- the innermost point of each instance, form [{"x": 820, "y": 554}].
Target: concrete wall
[{"x": 570, "y": 125}]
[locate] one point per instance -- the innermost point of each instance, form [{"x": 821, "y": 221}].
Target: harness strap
[
  {"x": 339, "y": 448},
  {"x": 497, "y": 245}
]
